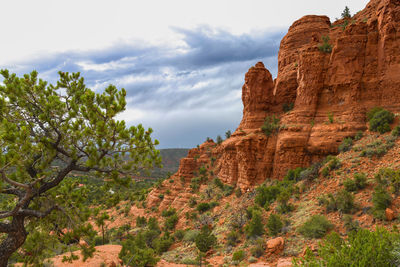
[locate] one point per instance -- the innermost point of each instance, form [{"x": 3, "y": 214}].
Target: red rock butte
[{"x": 331, "y": 93}]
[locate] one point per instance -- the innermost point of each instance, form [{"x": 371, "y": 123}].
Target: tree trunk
[
  {"x": 14, "y": 240},
  {"x": 102, "y": 230}
]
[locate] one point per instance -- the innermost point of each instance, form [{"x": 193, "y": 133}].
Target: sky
[{"x": 182, "y": 62}]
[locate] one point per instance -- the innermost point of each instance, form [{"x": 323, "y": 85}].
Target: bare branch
[
  {"x": 37, "y": 213},
  {"x": 13, "y": 191},
  {"x": 12, "y": 182}
]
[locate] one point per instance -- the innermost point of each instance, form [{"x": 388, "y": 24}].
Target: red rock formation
[{"x": 361, "y": 71}]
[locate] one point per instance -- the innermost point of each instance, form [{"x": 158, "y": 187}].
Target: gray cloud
[{"x": 185, "y": 93}]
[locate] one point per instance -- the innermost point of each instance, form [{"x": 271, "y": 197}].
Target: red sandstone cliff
[{"x": 362, "y": 71}]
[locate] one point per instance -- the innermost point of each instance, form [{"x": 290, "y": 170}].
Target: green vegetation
[
  {"x": 330, "y": 115},
  {"x": 310, "y": 173},
  {"x": 389, "y": 177},
  {"x": 238, "y": 255},
  {"x": 142, "y": 248},
  {"x": 277, "y": 190},
  {"x": 232, "y": 238},
  {"x": 203, "y": 207},
  {"x": 274, "y": 224},
  {"x": 293, "y": 174},
  {"x": 378, "y": 148},
  {"x": 204, "y": 241},
  {"x": 396, "y": 131},
  {"x": 271, "y": 125},
  {"x": 346, "y": 144},
  {"x": 358, "y": 135},
  {"x": 342, "y": 201},
  {"x": 228, "y": 134},
  {"x": 219, "y": 140},
  {"x": 380, "y": 120},
  {"x": 100, "y": 222},
  {"x": 50, "y": 132},
  {"x": 331, "y": 163},
  {"x": 255, "y": 227},
  {"x": 315, "y": 227},
  {"x": 259, "y": 249},
  {"x": 326, "y": 47},
  {"x": 381, "y": 200},
  {"x": 346, "y": 13},
  {"x": 363, "y": 248},
  {"x": 286, "y": 107},
  {"x": 350, "y": 224},
  {"x": 359, "y": 182}
]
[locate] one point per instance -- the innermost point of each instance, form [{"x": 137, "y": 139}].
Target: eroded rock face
[{"x": 331, "y": 93}]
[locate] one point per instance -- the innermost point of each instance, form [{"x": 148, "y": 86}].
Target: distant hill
[{"x": 170, "y": 162}]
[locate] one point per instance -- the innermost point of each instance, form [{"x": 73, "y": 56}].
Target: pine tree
[
  {"x": 346, "y": 13},
  {"x": 48, "y": 132},
  {"x": 228, "y": 134},
  {"x": 205, "y": 240},
  {"x": 255, "y": 227},
  {"x": 219, "y": 140}
]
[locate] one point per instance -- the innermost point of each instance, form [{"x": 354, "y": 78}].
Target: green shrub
[
  {"x": 283, "y": 199},
  {"x": 377, "y": 148},
  {"x": 238, "y": 255},
  {"x": 168, "y": 212},
  {"x": 388, "y": 176},
  {"x": 171, "y": 222},
  {"x": 331, "y": 163},
  {"x": 217, "y": 182},
  {"x": 380, "y": 120},
  {"x": 259, "y": 249},
  {"x": 311, "y": 172},
  {"x": 359, "y": 182},
  {"x": 232, "y": 238},
  {"x": 190, "y": 235},
  {"x": 346, "y": 144},
  {"x": 396, "y": 131},
  {"x": 179, "y": 234},
  {"x": 345, "y": 202},
  {"x": 271, "y": 125},
  {"x": 286, "y": 107},
  {"x": 350, "y": 185},
  {"x": 381, "y": 200},
  {"x": 163, "y": 243},
  {"x": 372, "y": 112},
  {"x": 325, "y": 47},
  {"x": 358, "y": 135},
  {"x": 141, "y": 221},
  {"x": 137, "y": 254},
  {"x": 328, "y": 201},
  {"x": 255, "y": 227},
  {"x": 362, "y": 248},
  {"x": 350, "y": 224},
  {"x": 315, "y": 227},
  {"x": 293, "y": 175},
  {"x": 274, "y": 224},
  {"x": 266, "y": 194},
  {"x": 195, "y": 184},
  {"x": 205, "y": 240},
  {"x": 192, "y": 202},
  {"x": 228, "y": 190},
  {"x": 238, "y": 192},
  {"x": 203, "y": 207}
]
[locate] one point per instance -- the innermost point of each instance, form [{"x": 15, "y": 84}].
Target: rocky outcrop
[{"x": 331, "y": 93}]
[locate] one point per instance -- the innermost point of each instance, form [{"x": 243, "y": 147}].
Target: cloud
[{"x": 186, "y": 92}]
